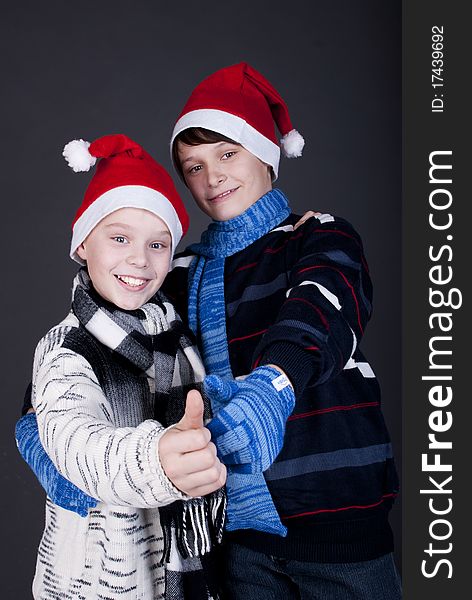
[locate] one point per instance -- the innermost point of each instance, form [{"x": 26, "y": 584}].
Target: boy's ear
[{"x": 82, "y": 252}]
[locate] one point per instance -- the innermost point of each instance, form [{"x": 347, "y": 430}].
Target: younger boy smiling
[
  {"x": 107, "y": 381},
  {"x": 128, "y": 255}
]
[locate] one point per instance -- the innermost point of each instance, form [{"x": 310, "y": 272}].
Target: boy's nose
[
  {"x": 137, "y": 259},
  {"x": 215, "y": 177}
]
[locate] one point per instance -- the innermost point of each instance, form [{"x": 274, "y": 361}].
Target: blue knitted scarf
[
  {"x": 207, "y": 310},
  {"x": 206, "y": 301}
]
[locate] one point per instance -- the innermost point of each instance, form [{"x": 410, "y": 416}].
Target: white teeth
[
  {"x": 223, "y": 194},
  {"x": 132, "y": 281}
]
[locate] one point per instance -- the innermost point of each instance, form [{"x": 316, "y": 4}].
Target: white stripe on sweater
[
  {"x": 183, "y": 261},
  {"x": 325, "y": 218},
  {"x": 326, "y": 293},
  {"x": 284, "y": 228},
  {"x": 363, "y": 367}
]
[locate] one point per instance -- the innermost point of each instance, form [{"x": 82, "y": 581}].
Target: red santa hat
[
  {"x": 240, "y": 103},
  {"x": 126, "y": 177}
]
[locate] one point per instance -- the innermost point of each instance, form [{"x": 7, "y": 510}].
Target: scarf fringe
[{"x": 197, "y": 528}]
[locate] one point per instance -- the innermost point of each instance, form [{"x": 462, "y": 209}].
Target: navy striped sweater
[{"x": 301, "y": 300}]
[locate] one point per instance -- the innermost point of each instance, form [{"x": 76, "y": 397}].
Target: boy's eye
[
  {"x": 195, "y": 169},
  {"x": 229, "y": 154},
  {"x": 120, "y": 239},
  {"x": 157, "y": 245}
]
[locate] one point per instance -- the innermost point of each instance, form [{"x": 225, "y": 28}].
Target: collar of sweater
[{"x": 225, "y": 238}]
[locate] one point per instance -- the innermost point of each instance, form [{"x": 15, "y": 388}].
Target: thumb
[
  {"x": 219, "y": 390},
  {"x": 193, "y": 416}
]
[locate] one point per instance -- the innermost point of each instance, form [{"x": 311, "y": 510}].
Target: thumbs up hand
[
  {"x": 187, "y": 454},
  {"x": 193, "y": 416}
]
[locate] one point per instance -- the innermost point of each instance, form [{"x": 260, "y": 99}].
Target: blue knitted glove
[
  {"x": 250, "y": 505},
  {"x": 61, "y": 491},
  {"x": 248, "y": 430}
]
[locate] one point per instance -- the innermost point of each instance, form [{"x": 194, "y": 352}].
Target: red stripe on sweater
[
  {"x": 324, "y": 320},
  {"x": 245, "y": 337},
  {"x": 346, "y": 282},
  {"x": 230, "y": 277},
  {"x": 332, "y": 510},
  {"x": 275, "y": 250},
  {"x": 338, "y": 232},
  {"x": 322, "y": 411},
  {"x": 249, "y": 266}
]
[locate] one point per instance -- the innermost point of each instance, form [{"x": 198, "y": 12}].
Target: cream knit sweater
[{"x": 107, "y": 448}]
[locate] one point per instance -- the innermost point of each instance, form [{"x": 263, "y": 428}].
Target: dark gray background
[{"x": 86, "y": 69}]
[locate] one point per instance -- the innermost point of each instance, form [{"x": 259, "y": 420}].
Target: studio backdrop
[{"x": 82, "y": 70}]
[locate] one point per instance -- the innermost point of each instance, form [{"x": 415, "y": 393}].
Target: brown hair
[{"x": 194, "y": 136}]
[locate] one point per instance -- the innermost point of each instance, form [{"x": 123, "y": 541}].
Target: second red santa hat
[{"x": 241, "y": 104}]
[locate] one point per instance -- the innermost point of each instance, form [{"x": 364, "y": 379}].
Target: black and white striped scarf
[{"x": 153, "y": 339}]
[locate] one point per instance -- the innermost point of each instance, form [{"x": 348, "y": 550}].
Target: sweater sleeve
[
  {"x": 175, "y": 286},
  {"x": 327, "y": 306},
  {"x": 117, "y": 465}
]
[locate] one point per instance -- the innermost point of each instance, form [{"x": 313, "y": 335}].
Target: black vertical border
[{"x": 424, "y": 132}]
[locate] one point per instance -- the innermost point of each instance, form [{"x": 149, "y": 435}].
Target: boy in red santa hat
[
  {"x": 109, "y": 389},
  {"x": 279, "y": 314}
]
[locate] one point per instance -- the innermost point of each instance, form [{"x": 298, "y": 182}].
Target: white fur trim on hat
[
  {"x": 235, "y": 128},
  {"x": 126, "y": 196},
  {"x": 292, "y": 144},
  {"x": 77, "y": 155}
]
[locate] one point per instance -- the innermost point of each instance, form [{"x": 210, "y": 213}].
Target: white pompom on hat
[
  {"x": 126, "y": 177},
  {"x": 78, "y": 156},
  {"x": 241, "y": 104}
]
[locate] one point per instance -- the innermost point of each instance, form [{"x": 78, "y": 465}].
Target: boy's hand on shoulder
[
  {"x": 306, "y": 216},
  {"x": 187, "y": 454}
]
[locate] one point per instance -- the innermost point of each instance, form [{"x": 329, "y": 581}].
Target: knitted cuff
[
  {"x": 280, "y": 381},
  {"x": 157, "y": 467},
  {"x": 299, "y": 365}
]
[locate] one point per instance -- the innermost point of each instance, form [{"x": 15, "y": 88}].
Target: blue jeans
[{"x": 251, "y": 575}]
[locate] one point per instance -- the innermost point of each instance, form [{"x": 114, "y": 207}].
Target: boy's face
[
  {"x": 224, "y": 178},
  {"x": 128, "y": 256}
]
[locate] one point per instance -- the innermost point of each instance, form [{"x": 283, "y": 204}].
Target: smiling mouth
[
  {"x": 223, "y": 195},
  {"x": 132, "y": 282}
]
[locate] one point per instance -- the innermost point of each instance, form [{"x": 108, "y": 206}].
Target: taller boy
[{"x": 298, "y": 301}]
